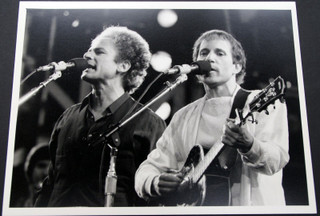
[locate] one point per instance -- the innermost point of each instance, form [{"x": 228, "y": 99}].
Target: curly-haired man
[{"x": 118, "y": 60}]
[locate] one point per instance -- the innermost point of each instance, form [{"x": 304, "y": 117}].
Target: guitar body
[{"x": 189, "y": 193}]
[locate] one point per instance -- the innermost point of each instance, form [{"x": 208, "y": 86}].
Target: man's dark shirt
[{"x": 77, "y": 173}]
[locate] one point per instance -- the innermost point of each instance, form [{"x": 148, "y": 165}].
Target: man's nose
[
  {"x": 87, "y": 55},
  {"x": 211, "y": 57}
]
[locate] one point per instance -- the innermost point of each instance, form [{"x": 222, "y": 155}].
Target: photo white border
[{"x": 308, "y": 209}]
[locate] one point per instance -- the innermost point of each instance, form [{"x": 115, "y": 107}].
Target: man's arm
[
  {"x": 262, "y": 146},
  {"x": 162, "y": 159}
]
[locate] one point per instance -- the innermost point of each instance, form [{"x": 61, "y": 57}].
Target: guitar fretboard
[{"x": 203, "y": 164}]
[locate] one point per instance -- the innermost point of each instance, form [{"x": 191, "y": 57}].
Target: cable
[
  {"x": 28, "y": 76},
  {"x": 139, "y": 99}
]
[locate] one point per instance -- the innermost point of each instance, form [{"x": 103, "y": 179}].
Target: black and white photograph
[{"x": 158, "y": 108}]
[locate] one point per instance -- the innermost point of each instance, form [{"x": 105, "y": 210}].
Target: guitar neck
[{"x": 203, "y": 164}]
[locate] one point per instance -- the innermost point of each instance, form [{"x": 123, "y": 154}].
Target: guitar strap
[{"x": 228, "y": 155}]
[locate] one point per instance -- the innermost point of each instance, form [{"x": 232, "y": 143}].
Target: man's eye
[
  {"x": 203, "y": 53},
  {"x": 98, "y": 52},
  {"x": 221, "y": 54}
]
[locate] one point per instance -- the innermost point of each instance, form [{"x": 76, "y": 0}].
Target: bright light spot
[
  {"x": 164, "y": 110},
  {"x": 66, "y": 13},
  {"x": 75, "y": 23},
  {"x": 167, "y": 18},
  {"x": 161, "y": 61},
  {"x": 271, "y": 80},
  {"x": 289, "y": 84}
]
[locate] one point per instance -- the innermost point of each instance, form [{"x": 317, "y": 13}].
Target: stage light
[
  {"x": 75, "y": 23},
  {"x": 161, "y": 61},
  {"x": 164, "y": 110},
  {"x": 66, "y": 13},
  {"x": 167, "y": 18}
]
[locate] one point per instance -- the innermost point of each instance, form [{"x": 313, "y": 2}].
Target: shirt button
[
  {"x": 225, "y": 167},
  {"x": 89, "y": 136}
]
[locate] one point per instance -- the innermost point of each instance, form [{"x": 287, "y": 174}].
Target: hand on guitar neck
[{"x": 236, "y": 136}]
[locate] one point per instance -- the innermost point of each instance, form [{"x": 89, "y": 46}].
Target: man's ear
[
  {"x": 238, "y": 68},
  {"x": 123, "y": 66}
]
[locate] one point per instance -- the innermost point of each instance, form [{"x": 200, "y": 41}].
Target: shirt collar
[
  {"x": 113, "y": 107},
  {"x": 237, "y": 88},
  {"x": 117, "y": 103}
]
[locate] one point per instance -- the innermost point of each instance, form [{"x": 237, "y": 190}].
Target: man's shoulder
[
  {"x": 69, "y": 112},
  {"x": 72, "y": 108},
  {"x": 188, "y": 107}
]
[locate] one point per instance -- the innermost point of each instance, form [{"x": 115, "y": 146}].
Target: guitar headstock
[{"x": 275, "y": 90}]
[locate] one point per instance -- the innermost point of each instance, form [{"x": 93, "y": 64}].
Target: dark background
[{"x": 269, "y": 56}]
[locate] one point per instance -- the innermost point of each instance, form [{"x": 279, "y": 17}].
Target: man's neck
[
  {"x": 225, "y": 90},
  {"x": 102, "y": 97}
]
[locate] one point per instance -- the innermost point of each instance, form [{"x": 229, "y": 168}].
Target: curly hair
[
  {"x": 133, "y": 48},
  {"x": 238, "y": 54}
]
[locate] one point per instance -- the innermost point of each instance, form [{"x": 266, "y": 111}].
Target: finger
[
  {"x": 166, "y": 190},
  {"x": 167, "y": 184},
  {"x": 230, "y": 133},
  {"x": 231, "y": 120},
  {"x": 176, "y": 173},
  {"x": 229, "y": 140},
  {"x": 233, "y": 127},
  {"x": 171, "y": 177}
]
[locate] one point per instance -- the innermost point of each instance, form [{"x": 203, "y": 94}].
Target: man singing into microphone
[
  {"x": 118, "y": 60},
  {"x": 249, "y": 169}
]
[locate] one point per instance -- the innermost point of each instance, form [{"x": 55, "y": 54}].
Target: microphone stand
[
  {"x": 111, "y": 178},
  {"x": 56, "y": 75},
  {"x": 170, "y": 86}
]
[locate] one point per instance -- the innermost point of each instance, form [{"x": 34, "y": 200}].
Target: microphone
[
  {"x": 78, "y": 64},
  {"x": 199, "y": 67}
]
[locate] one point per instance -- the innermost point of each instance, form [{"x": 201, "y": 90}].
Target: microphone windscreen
[
  {"x": 204, "y": 67},
  {"x": 80, "y": 64}
]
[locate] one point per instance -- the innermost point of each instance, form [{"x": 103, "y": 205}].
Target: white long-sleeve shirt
[{"x": 256, "y": 178}]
